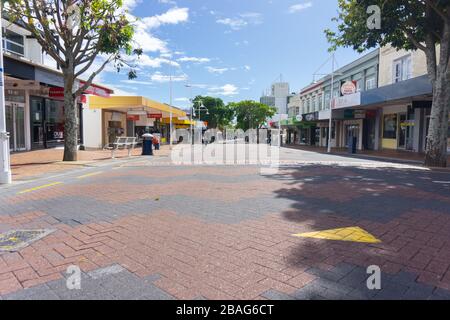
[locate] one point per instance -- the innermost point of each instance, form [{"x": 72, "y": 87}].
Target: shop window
[
  {"x": 390, "y": 126},
  {"x": 13, "y": 42}
]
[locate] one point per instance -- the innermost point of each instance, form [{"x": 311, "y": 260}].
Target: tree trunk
[
  {"x": 71, "y": 119},
  {"x": 436, "y": 149}
]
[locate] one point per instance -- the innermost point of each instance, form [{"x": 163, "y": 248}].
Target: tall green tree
[
  {"x": 218, "y": 115},
  {"x": 75, "y": 33},
  {"x": 411, "y": 25},
  {"x": 251, "y": 114}
]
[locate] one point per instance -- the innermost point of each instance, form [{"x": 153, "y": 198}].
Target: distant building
[
  {"x": 268, "y": 100},
  {"x": 278, "y": 97}
]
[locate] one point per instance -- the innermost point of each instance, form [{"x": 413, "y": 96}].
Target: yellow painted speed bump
[{"x": 353, "y": 234}]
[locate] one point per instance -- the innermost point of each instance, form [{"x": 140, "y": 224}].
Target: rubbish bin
[
  {"x": 147, "y": 144},
  {"x": 352, "y": 144}
]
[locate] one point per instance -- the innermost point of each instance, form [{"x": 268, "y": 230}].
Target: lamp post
[
  {"x": 5, "y": 168},
  {"x": 330, "y": 126},
  {"x": 191, "y": 107}
]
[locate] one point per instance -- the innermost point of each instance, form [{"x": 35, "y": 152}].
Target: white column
[{"x": 5, "y": 168}]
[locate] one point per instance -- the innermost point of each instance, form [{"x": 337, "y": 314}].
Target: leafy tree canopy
[
  {"x": 251, "y": 114},
  {"x": 218, "y": 116}
]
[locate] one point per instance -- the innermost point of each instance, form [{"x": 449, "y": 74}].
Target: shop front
[{"x": 106, "y": 119}]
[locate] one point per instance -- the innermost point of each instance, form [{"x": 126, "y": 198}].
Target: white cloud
[
  {"x": 217, "y": 70},
  {"x": 161, "y": 78},
  {"x": 130, "y": 4},
  {"x": 143, "y": 37},
  {"x": 247, "y": 68},
  {"x": 243, "y": 20},
  {"x": 235, "y": 24},
  {"x": 148, "y": 61},
  {"x": 172, "y": 16},
  {"x": 300, "y": 7},
  {"x": 193, "y": 59},
  {"x": 140, "y": 82},
  {"x": 226, "y": 90}
]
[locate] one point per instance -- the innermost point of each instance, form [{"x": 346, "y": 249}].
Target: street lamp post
[
  {"x": 192, "y": 109},
  {"x": 330, "y": 126},
  {"x": 5, "y": 167}
]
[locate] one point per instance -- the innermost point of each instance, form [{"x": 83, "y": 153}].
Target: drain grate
[{"x": 18, "y": 239}]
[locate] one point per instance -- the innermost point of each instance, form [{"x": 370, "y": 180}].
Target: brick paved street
[{"x": 143, "y": 229}]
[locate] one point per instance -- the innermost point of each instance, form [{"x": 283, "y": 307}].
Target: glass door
[
  {"x": 37, "y": 122},
  {"x": 15, "y": 125},
  {"x": 402, "y": 131},
  {"x": 10, "y": 125}
]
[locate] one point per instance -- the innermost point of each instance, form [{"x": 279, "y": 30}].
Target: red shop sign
[
  {"x": 133, "y": 118},
  {"x": 56, "y": 92},
  {"x": 154, "y": 115}
]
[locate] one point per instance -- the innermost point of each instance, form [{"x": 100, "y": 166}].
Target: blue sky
[{"x": 232, "y": 49}]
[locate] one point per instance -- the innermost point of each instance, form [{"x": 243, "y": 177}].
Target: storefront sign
[
  {"x": 299, "y": 118},
  {"x": 96, "y": 91},
  {"x": 154, "y": 115},
  {"x": 314, "y": 116},
  {"x": 347, "y": 101},
  {"x": 133, "y": 117},
  {"x": 348, "y": 87},
  {"x": 359, "y": 114},
  {"x": 56, "y": 93}
]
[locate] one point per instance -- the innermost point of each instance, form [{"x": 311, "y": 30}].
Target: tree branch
[{"x": 88, "y": 82}]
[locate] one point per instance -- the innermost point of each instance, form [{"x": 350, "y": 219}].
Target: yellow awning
[
  {"x": 128, "y": 103},
  {"x": 177, "y": 121}
]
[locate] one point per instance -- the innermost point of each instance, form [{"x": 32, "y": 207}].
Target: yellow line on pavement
[
  {"x": 40, "y": 187},
  {"x": 89, "y": 175}
]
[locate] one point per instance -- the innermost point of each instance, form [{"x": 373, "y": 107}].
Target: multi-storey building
[
  {"x": 312, "y": 124},
  {"x": 34, "y": 95}
]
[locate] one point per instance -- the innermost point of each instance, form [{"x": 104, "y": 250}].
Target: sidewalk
[
  {"x": 31, "y": 164},
  {"x": 392, "y": 155}
]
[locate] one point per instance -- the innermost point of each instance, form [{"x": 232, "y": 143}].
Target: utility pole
[
  {"x": 331, "y": 104},
  {"x": 5, "y": 167}
]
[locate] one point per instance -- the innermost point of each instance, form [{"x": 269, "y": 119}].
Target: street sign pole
[{"x": 5, "y": 168}]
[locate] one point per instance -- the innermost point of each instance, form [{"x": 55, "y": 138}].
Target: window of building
[
  {"x": 390, "y": 126},
  {"x": 13, "y": 42},
  {"x": 308, "y": 105},
  {"x": 320, "y": 102},
  {"x": 371, "y": 82},
  {"x": 327, "y": 100},
  {"x": 402, "y": 69}
]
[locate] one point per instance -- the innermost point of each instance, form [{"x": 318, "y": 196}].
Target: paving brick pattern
[{"x": 226, "y": 233}]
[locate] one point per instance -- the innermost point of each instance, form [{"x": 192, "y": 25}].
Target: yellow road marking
[
  {"x": 40, "y": 187},
  {"x": 89, "y": 175},
  {"x": 353, "y": 234}
]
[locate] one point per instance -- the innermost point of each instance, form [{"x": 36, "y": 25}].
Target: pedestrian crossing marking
[{"x": 351, "y": 234}]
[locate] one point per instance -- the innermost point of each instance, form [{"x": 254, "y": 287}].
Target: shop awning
[
  {"x": 134, "y": 103},
  {"x": 176, "y": 120}
]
